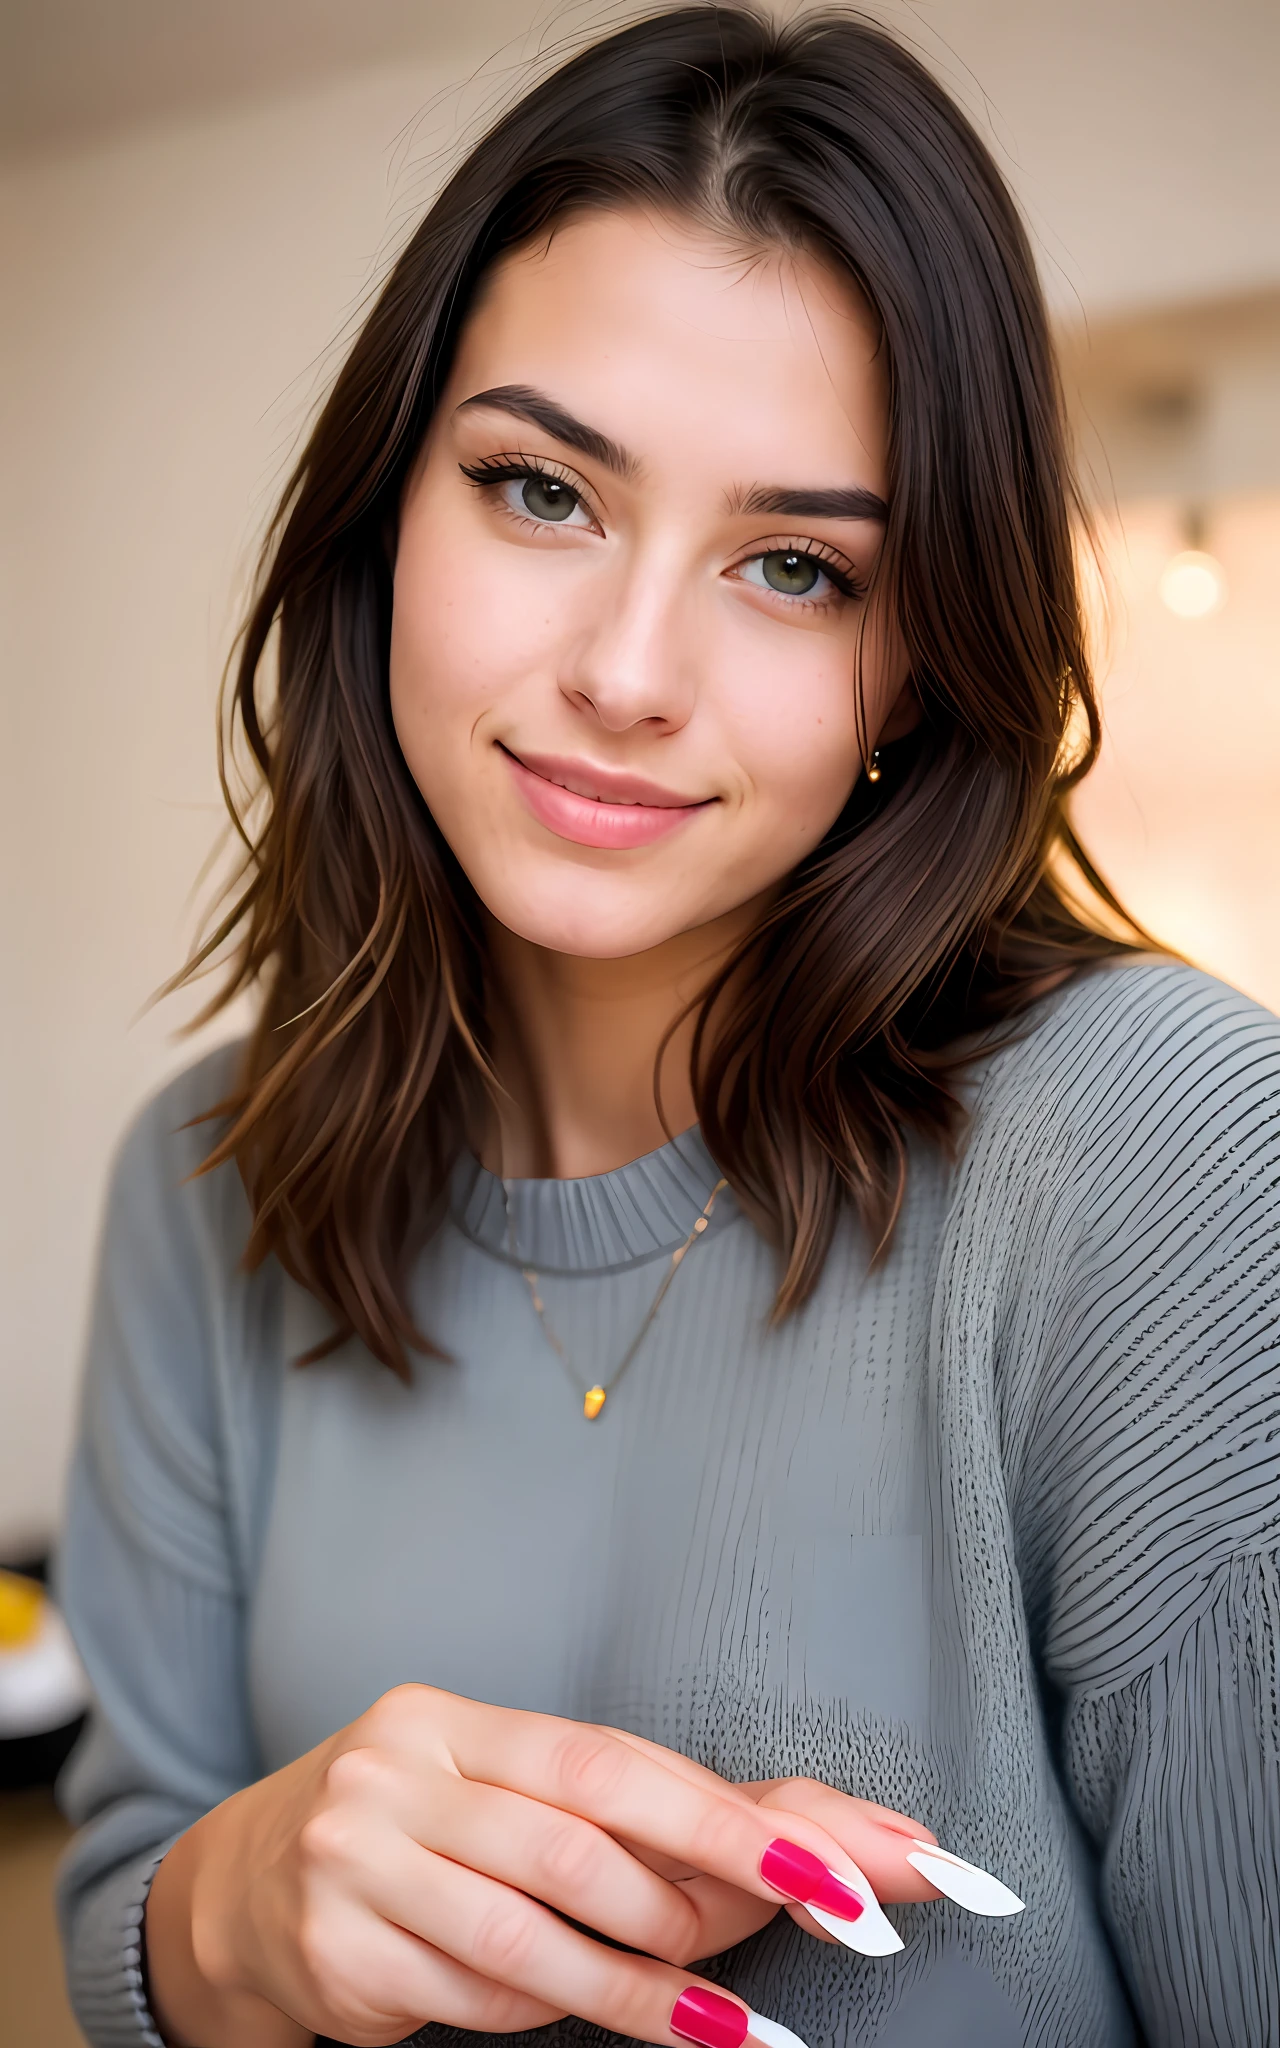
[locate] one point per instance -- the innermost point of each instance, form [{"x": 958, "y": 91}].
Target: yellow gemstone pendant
[{"x": 592, "y": 1402}]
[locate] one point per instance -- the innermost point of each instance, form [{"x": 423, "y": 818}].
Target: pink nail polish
[
  {"x": 798, "y": 1874},
  {"x": 706, "y": 2017}
]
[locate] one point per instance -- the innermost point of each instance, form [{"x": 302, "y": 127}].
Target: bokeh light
[{"x": 1193, "y": 585}]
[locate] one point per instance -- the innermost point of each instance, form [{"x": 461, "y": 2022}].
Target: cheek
[
  {"x": 447, "y": 643},
  {"x": 467, "y": 625},
  {"x": 795, "y": 736}
]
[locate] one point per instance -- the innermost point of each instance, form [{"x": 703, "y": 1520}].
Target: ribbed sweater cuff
[{"x": 104, "y": 1967}]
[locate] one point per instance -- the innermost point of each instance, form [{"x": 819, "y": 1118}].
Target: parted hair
[{"x": 945, "y": 898}]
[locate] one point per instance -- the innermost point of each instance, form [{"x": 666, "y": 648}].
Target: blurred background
[{"x": 196, "y": 199}]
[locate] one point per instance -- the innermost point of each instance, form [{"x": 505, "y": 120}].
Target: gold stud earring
[{"x": 873, "y": 772}]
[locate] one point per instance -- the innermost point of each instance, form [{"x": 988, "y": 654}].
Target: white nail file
[{"x": 964, "y": 1882}]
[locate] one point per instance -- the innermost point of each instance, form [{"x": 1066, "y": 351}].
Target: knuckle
[
  {"x": 684, "y": 1940},
  {"x": 397, "y": 1709},
  {"x": 500, "y": 2010},
  {"x": 358, "y": 1989},
  {"x": 213, "y": 1954},
  {"x": 807, "y": 1786},
  {"x": 348, "y": 2014},
  {"x": 353, "y": 1774},
  {"x": 316, "y": 1951},
  {"x": 343, "y": 2006},
  {"x": 567, "y": 1859},
  {"x": 324, "y": 1839},
  {"x": 716, "y": 1842},
  {"x": 588, "y": 1766},
  {"x": 631, "y": 2005},
  {"x": 504, "y": 1940},
  {"x": 336, "y": 1982}
]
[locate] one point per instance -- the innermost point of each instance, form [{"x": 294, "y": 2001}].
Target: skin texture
[
  {"x": 407, "y": 1868},
  {"x": 395, "y": 1874},
  {"x": 638, "y": 637}
]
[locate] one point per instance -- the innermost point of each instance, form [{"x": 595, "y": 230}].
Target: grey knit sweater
[{"x": 989, "y": 1533}]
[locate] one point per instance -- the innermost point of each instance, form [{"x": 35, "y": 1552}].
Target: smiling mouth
[{"x": 601, "y": 807}]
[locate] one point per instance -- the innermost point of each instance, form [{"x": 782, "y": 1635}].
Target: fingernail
[
  {"x": 964, "y": 1882},
  {"x": 798, "y": 1874},
  {"x": 854, "y": 1917},
  {"x": 719, "y": 2022},
  {"x": 772, "y": 2033}
]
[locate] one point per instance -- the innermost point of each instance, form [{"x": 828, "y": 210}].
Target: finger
[
  {"x": 370, "y": 1983},
  {"x": 899, "y": 1865},
  {"x": 502, "y": 1935},
  {"x": 685, "y": 1767},
  {"x": 879, "y": 1850},
  {"x": 726, "y": 1915},
  {"x": 755, "y": 1793},
  {"x": 571, "y": 1865},
  {"x": 884, "y": 1816},
  {"x": 857, "y": 1825},
  {"x": 708, "y": 1827},
  {"x": 557, "y": 1857}
]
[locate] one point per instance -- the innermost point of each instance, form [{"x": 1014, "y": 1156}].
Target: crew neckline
[{"x": 602, "y": 1223}]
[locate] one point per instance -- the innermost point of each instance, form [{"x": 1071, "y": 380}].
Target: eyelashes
[
  {"x": 504, "y": 469},
  {"x": 793, "y": 570},
  {"x": 537, "y": 494}
]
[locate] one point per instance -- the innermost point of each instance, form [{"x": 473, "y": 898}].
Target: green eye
[
  {"x": 545, "y": 497},
  {"x": 791, "y": 574}
]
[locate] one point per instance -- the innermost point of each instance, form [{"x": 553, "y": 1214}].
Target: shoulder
[
  {"x": 171, "y": 1261},
  {"x": 175, "y": 1126},
  {"x": 156, "y": 1173},
  {"x": 1136, "y": 1072},
  {"x": 1116, "y": 1226},
  {"x": 1145, "y": 1027}
]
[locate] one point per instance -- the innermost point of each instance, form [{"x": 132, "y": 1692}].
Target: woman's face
[{"x": 628, "y": 590}]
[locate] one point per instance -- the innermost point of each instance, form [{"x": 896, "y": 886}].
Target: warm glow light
[{"x": 1193, "y": 585}]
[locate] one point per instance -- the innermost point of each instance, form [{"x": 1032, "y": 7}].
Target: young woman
[{"x": 724, "y": 1331}]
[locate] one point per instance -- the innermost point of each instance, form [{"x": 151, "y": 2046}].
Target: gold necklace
[{"x": 594, "y": 1398}]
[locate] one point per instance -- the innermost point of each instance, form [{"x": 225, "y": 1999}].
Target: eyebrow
[
  {"x": 524, "y": 403},
  {"x": 851, "y": 503}
]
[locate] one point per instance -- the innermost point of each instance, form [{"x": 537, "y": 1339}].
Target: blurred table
[{"x": 33, "y": 2010}]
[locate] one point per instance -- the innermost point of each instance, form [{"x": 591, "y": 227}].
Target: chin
[{"x": 594, "y": 923}]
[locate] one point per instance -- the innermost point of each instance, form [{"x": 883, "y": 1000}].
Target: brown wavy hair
[{"x": 945, "y": 898}]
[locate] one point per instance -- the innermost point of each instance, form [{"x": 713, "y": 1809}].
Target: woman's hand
[
  {"x": 877, "y": 1839},
  {"x": 423, "y": 1864},
  {"x": 898, "y": 1858}
]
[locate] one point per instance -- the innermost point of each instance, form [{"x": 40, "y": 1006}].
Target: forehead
[{"x": 672, "y": 342}]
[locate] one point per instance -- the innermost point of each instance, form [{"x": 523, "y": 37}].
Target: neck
[{"x": 576, "y": 1043}]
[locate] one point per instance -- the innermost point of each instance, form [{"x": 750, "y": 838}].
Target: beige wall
[{"x": 169, "y": 301}]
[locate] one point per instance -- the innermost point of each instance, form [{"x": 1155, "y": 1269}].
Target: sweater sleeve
[
  {"x": 1176, "y": 1775},
  {"x": 1145, "y": 1472},
  {"x": 175, "y": 1426}
]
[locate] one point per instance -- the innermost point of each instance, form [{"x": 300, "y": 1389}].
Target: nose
[{"x": 633, "y": 661}]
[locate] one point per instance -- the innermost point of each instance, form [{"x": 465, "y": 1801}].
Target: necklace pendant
[{"x": 593, "y": 1401}]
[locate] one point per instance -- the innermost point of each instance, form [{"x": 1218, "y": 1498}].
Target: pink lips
[{"x": 621, "y": 810}]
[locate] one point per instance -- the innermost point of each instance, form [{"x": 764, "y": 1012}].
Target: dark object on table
[{"x": 42, "y": 1687}]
